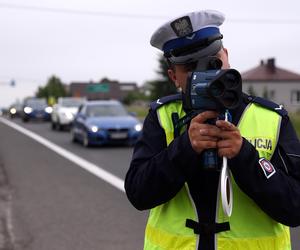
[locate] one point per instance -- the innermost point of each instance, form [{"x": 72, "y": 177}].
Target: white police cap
[{"x": 189, "y": 37}]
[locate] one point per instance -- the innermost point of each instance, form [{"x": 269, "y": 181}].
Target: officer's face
[{"x": 180, "y": 72}]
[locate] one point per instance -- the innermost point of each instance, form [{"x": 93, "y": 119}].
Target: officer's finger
[
  {"x": 227, "y": 152},
  {"x": 210, "y": 130},
  {"x": 206, "y": 138},
  {"x": 224, "y": 144},
  {"x": 204, "y": 132},
  {"x": 199, "y": 146},
  {"x": 225, "y": 125},
  {"x": 223, "y": 152},
  {"x": 202, "y": 117}
]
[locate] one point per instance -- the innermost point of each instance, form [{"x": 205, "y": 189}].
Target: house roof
[{"x": 268, "y": 71}]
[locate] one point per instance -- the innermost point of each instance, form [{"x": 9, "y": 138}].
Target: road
[
  {"x": 58, "y": 205},
  {"x": 55, "y": 204}
]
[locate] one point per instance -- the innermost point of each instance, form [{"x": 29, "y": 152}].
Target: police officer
[{"x": 166, "y": 175}]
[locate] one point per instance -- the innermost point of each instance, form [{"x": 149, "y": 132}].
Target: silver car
[{"x": 64, "y": 111}]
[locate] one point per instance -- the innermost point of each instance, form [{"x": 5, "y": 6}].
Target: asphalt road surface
[
  {"x": 49, "y": 202},
  {"x": 58, "y": 205}
]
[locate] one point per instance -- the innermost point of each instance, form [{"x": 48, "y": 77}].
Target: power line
[
  {"x": 265, "y": 21},
  {"x": 132, "y": 16},
  {"x": 78, "y": 12}
]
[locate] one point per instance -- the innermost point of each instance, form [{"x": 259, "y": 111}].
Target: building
[
  {"x": 274, "y": 83},
  {"x": 103, "y": 90}
]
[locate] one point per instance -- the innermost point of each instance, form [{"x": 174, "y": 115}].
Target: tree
[
  {"x": 164, "y": 86},
  {"x": 134, "y": 96},
  {"x": 53, "y": 89}
]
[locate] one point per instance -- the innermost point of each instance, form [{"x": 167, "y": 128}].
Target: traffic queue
[{"x": 90, "y": 123}]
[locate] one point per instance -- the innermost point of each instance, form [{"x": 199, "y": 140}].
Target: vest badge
[{"x": 267, "y": 167}]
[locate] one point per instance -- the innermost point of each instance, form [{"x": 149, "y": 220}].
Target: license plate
[{"x": 118, "y": 135}]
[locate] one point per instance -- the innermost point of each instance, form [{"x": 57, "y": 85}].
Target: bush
[{"x": 140, "y": 110}]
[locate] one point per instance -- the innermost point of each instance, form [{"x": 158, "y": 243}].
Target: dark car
[
  {"x": 36, "y": 109},
  {"x": 105, "y": 122}
]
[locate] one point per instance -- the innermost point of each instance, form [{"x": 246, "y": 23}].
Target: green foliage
[
  {"x": 140, "y": 110},
  {"x": 134, "y": 96},
  {"x": 164, "y": 86},
  {"x": 53, "y": 89}
]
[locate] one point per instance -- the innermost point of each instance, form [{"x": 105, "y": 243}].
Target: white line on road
[{"x": 88, "y": 166}]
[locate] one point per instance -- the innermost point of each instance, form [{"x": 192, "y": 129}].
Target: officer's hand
[
  {"x": 203, "y": 136},
  {"x": 230, "y": 141}
]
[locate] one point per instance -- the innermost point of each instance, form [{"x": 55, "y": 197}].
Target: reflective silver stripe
[
  {"x": 195, "y": 209},
  {"x": 294, "y": 155},
  {"x": 286, "y": 169}
]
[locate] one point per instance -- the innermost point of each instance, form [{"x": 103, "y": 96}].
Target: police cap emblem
[{"x": 182, "y": 26}]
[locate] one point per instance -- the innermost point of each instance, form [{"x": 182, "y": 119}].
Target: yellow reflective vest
[{"x": 250, "y": 227}]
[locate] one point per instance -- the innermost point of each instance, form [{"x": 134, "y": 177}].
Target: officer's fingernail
[{"x": 202, "y": 131}]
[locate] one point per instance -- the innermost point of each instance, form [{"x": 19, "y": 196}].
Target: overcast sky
[{"x": 83, "y": 40}]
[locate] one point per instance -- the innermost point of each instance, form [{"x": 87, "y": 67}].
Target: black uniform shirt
[{"x": 157, "y": 172}]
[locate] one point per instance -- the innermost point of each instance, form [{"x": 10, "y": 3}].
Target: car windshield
[
  {"x": 71, "y": 102},
  {"x": 36, "y": 103},
  {"x": 105, "y": 110}
]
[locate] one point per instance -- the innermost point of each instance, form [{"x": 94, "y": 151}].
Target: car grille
[
  {"x": 118, "y": 134},
  {"x": 111, "y": 130}
]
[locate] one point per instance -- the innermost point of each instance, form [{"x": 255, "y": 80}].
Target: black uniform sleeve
[
  {"x": 157, "y": 172},
  {"x": 279, "y": 195}
]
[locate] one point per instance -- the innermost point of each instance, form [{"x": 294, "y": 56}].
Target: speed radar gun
[{"x": 211, "y": 88}]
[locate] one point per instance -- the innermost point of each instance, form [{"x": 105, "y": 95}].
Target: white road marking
[{"x": 88, "y": 166}]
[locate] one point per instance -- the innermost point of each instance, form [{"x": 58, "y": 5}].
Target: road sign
[{"x": 98, "y": 88}]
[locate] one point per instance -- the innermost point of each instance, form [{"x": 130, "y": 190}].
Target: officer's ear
[
  {"x": 172, "y": 75},
  {"x": 171, "y": 72},
  {"x": 223, "y": 56}
]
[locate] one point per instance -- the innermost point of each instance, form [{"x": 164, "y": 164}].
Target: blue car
[
  {"x": 36, "y": 109},
  {"x": 105, "y": 122}
]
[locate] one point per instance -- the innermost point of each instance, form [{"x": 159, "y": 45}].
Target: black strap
[
  {"x": 179, "y": 123},
  {"x": 175, "y": 118},
  {"x": 207, "y": 228}
]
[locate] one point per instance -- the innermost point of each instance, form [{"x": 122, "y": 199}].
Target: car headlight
[
  {"x": 69, "y": 115},
  {"x": 138, "y": 127},
  {"x": 27, "y": 110},
  {"x": 49, "y": 110},
  {"x": 66, "y": 114},
  {"x": 94, "y": 128},
  {"x": 13, "y": 111}
]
